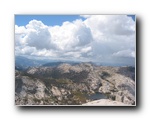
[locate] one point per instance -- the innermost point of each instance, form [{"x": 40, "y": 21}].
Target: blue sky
[
  {"x": 50, "y": 20},
  {"x": 132, "y": 16},
  {"x": 98, "y": 38}
]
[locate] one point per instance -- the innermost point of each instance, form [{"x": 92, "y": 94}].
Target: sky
[
  {"x": 51, "y": 20},
  {"x": 107, "y": 39}
]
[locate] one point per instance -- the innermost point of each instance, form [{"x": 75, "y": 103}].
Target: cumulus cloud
[
  {"x": 110, "y": 24},
  {"x": 97, "y": 38},
  {"x": 125, "y": 53},
  {"x": 114, "y": 35},
  {"x": 71, "y": 35},
  {"x": 38, "y": 35}
]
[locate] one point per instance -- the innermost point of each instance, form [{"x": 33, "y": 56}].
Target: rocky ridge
[{"x": 73, "y": 84}]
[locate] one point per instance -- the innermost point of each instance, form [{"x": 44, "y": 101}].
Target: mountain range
[{"x": 74, "y": 84}]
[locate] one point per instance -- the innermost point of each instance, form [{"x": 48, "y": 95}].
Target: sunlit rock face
[{"x": 68, "y": 84}]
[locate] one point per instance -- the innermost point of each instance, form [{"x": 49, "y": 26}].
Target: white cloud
[
  {"x": 97, "y": 38},
  {"x": 38, "y": 35},
  {"x": 71, "y": 35},
  {"x": 25, "y": 50},
  {"x": 125, "y": 53},
  {"x": 85, "y": 16},
  {"x": 112, "y": 34},
  {"x": 110, "y": 24},
  {"x": 20, "y": 32}
]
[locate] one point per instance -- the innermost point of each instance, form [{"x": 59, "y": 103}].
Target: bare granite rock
[
  {"x": 55, "y": 91},
  {"x": 73, "y": 84},
  {"x": 104, "y": 102}
]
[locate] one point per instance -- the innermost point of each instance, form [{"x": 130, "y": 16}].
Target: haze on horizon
[{"x": 86, "y": 38}]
